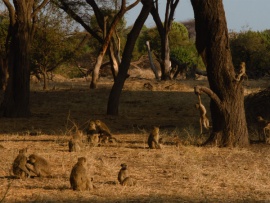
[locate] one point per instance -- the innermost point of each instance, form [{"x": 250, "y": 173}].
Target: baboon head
[
  {"x": 82, "y": 160},
  {"x": 92, "y": 126},
  {"x": 124, "y": 166},
  {"x": 31, "y": 159},
  {"x": 23, "y": 151},
  {"x": 98, "y": 123}
]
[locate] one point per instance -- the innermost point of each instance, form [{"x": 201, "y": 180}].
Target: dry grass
[{"x": 174, "y": 174}]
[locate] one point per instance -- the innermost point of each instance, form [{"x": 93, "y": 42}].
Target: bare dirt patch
[{"x": 173, "y": 174}]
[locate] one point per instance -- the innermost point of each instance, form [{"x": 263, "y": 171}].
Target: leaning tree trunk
[
  {"x": 226, "y": 93},
  {"x": 113, "y": 102}
]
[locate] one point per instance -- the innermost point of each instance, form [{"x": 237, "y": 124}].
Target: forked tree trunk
[
  {"x": 226, "y": 93},
  {"x": 113, "y": 102}
]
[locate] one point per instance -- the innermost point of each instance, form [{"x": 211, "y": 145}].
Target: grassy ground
[{"x": 173, "y": 174}]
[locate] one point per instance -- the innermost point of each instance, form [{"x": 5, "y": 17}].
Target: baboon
[
  {"x": 263, "y": 128},
  {"x": 40, "y": 166},
  {"x": 19, "y": 165},
  {"x": 123, "y": 176},
  {"x": 103, "y": 130},
  {"x": 92, "y": 134},
  {"x": 78, "y": 176},
  {"x": 75, "y": 143},
  {"x": 148, "y": 86},
  {"x": 242, "y": 72},
  {"x": 153, "y": 139},
  {"x": 204, "y": 122}
]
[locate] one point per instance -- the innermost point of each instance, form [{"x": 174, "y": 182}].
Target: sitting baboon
[
  {"x": 78, "y": 176},
  {"x": 92, "y": 134},
  {"x": 19, "y": 165},
  {"x": 153, "y": 139},
  {"x": 75, "y": 143},
  {"x": 204, "y": 121},
  {"x": 263, "y": 128},
  {"x": 242, "y": 72},
  {"x": 40, "y": 166},
  {"x": 103, "y": 130},
  {"x": 123, "y": 176}
]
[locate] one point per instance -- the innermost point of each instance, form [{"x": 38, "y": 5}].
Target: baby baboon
[
  {"x": 40, "y": 166},
  {"x": 92, "y": 128},
  {"x": 103, "y": 130},
  {"x": 204, "y": 122},
  {"x": 242, "y": 72},
  {"x": 153, "y": 139},
  {"x": 123, "y": 176},
  {"x": 263, "y": 128},
  {"x": 78, "y": 176},
  {"x": 19, "y": 165}
]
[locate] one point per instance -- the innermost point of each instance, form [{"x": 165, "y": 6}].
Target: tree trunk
[
  {"x": 45, "y": 80},
  {"x": 226, "y": 93},
  {"x": 3, "y": 73},
  {"x": 16, "y": 98},
  {"x": 152, "y": 65},
  {"x": 113, "y": 102},
  {"x": 113, "y": 61}
]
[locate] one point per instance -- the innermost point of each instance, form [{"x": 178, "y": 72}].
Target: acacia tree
[
  {"x": 164, "y": 29},
  {"x": 68, "y": 6},
  {"x": 22, "y": 15},
  {"x": 226, "y": 93}
]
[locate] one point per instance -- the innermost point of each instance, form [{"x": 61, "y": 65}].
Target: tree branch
[
  {"x": 38, "y": 8},
  {"x": 199, "y": 89},
  {"x": 11, "y": 11}
]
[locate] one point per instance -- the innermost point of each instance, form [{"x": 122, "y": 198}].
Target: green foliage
[{"x": 254, "y": 49}]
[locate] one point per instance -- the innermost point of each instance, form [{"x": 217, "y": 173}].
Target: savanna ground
[{"x": 186, "y": 173}]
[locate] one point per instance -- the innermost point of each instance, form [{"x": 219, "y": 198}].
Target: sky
[{"x": 240, "y": 14}]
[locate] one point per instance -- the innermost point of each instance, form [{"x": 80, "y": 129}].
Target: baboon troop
[
  {"x": 153, "y": 139},
  {"x": 78, "y": 177},
  {"x": 204, "y": 121},
  {"x": 264, "y": 128},
  {"x": 123, "y": 176},
  {"x": 40, "y": 166},
  {"x": 19, "y": 167}
]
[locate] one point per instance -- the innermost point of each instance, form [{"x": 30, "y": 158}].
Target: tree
[
  {"x": 113, "y": 102},
  {"x": 226, "y": 93},
  {"x": 250, "y": 46},
  {"x": 22, "y": 15},
  {"x": 105, "y": 40},
  {"x": 4, "y": 23},
  {"x": 56, "y": 42},
  {"x": 164, "y": 29}
]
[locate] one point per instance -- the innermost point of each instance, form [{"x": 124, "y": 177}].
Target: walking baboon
[
  {"x": 78, "y": 176},
  {"x": 204, "y": 121},
  {"x": 19, "y": 165},
  {"x": 40, "y": 166},
  {"x": 123, "y": 176},
  {"x": 103, "y": 130},
  {"x": 153, "y": 139},
  {"x": 263, "y": 128}
]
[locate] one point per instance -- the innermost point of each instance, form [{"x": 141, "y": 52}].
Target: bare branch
[
  {"x": 37, "y": 9},
  {"x": 11, "y": 11}
]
